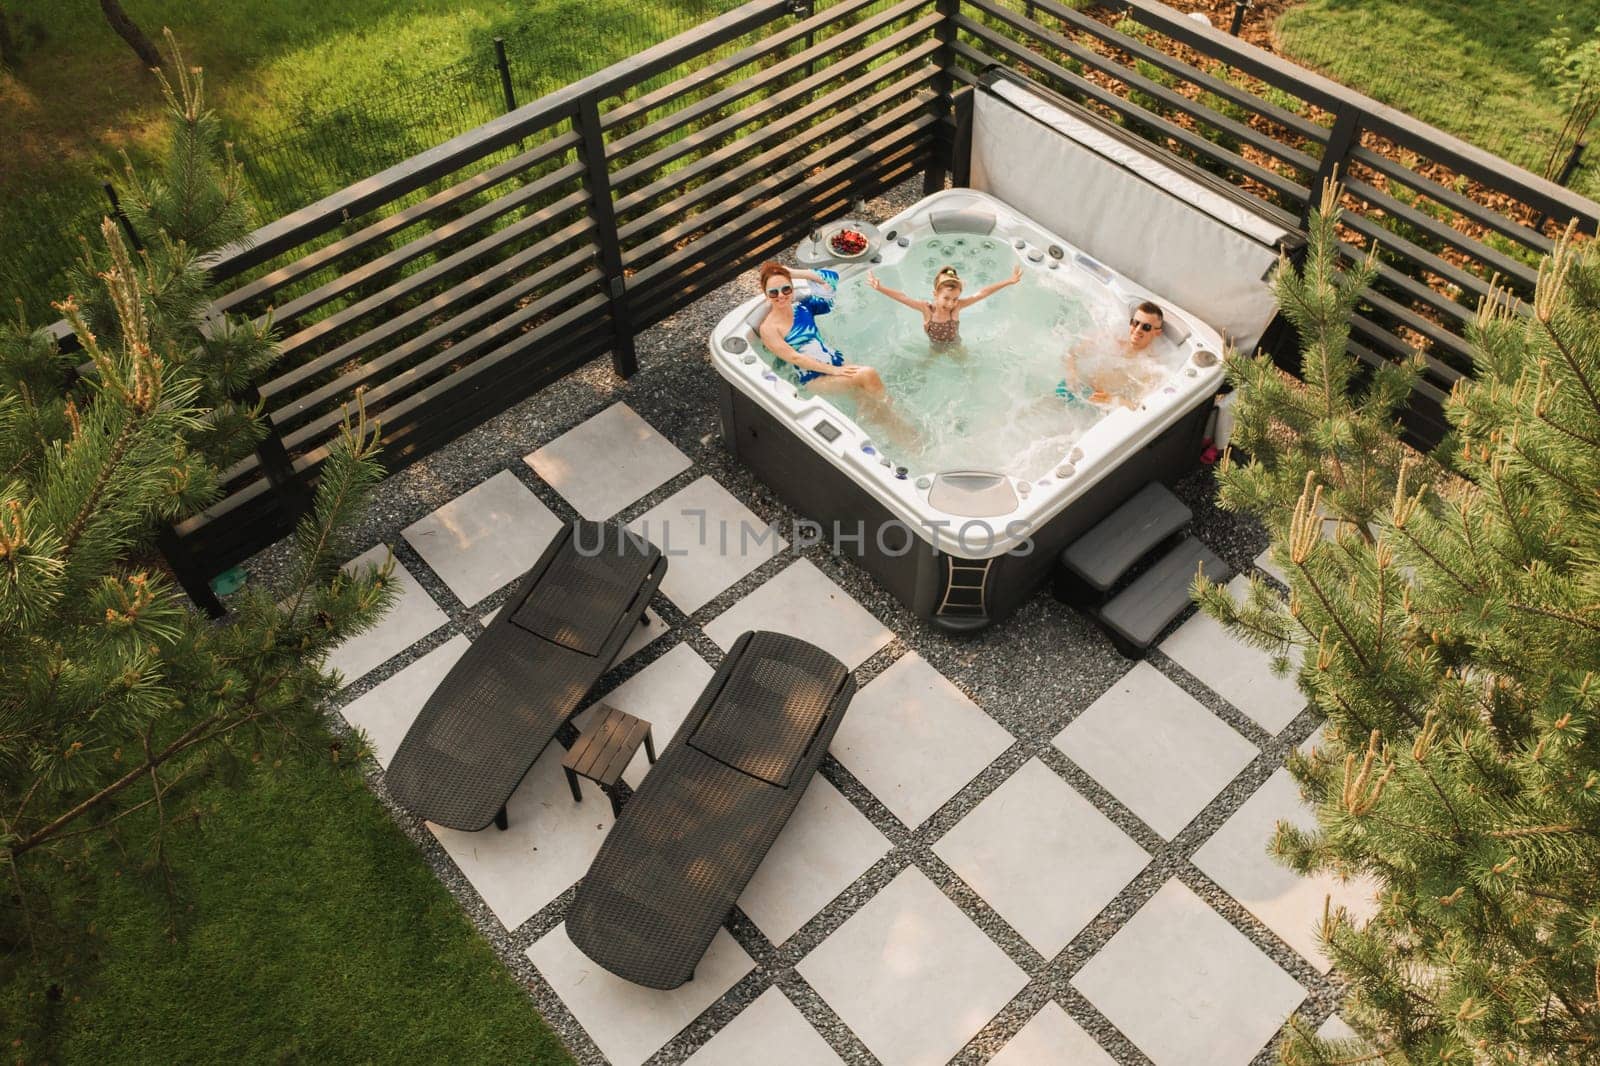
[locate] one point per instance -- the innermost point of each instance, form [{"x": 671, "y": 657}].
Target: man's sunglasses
[
  {"x": 1145, "y": 326},
  {"x": 784, "y": 291}
]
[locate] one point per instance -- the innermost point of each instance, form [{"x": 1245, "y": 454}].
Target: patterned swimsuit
[
  {"x": 948, "y": 332},
  {"x": 803, "y": 336}
]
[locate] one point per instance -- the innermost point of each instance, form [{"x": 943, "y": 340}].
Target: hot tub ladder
[{"x": 964, "y": 586}]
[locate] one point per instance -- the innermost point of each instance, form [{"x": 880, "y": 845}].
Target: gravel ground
[{"x": 1033, "y": 673}]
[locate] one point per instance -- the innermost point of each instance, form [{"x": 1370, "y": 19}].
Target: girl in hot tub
[
  {"x": 941, "y": 316},
  {"x": 789, "y": 331}
]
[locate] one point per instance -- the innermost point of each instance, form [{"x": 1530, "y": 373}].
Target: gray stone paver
[
  {"x": 413, "y": 616},
  {"x": 1186, "y": 986},
  {"x": 803, "y": 602},
  {"x": 548, "y": 843},
  {"x": 823, "y": 848},
  {"x": 485, "y": 538},
  {"x": 626, "y": 1021},
  {"x": 1034, "y": 674},
  {"x": 915, "y": 739},
  {"x": 1042, "y": 856},
  {"x": 1239, "y": 672},
  {"x": 1236, "y": 858},
  {"x": 385, "y": 713},
  {"x": 1052, "y": 1039},
  {"x": 911, "y": 975},
  {"x": 1156, "y": 749},
  {"x": 710, "y": 539},
  {"x": 607, "y": 462},
  {"x": 769, "y": 1032}
]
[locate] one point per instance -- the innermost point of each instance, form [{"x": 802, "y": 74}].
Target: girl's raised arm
[
  {"x": 894, "y": 294},
  {"x": 989, "y": 290}
]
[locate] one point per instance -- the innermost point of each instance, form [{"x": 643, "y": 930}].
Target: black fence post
[
  {"x": 186, "y": 568},
  {"x": 276, "y": 465},
  {"x": 961, "y": 151},
  {"x": 943, "y": 60},
  {"x": 597, "y": 178},
  {"x": 1345, "y": 135},
  {"x": 1239, "y": 7},
  {"x": 505, "y": 73}
]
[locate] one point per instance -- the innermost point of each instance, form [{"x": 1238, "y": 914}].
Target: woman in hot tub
[{"x": 789, "y": 331}]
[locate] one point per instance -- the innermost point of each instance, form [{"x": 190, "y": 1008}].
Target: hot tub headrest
[
  {"x": 757, "y": 313},
  {"x": 976, "y": 219},
  {"x": 973, "y": 493}
]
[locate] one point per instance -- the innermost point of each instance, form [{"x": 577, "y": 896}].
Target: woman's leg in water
[{"x": 875, "y": 403}]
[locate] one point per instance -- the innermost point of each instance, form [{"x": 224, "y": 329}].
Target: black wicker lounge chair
[
  {"x": 521, "y": 681},
  {"x": 691, "y": 838}
]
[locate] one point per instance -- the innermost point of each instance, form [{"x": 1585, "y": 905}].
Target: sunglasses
[
  {"x": 784, "y": 291},
  {"x": 1145, "y": 326}
]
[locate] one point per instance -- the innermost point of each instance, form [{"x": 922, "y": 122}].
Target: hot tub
[{"x": 962, "y": 543}]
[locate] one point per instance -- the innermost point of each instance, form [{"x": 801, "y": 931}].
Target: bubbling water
[{"x": 990, "y": 402}]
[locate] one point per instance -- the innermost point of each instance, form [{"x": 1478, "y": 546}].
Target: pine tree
[
  {"x": 115, "y": 696},
  {"x": 1449, "y": 618}
]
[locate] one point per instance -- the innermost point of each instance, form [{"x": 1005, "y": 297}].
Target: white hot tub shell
[
  {"x": 966, "y": 521},
  {"x": 962, "y": 548}
]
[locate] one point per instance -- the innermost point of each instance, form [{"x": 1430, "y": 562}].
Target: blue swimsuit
[
  {"x": 803, "y": 336},
  {"x": 1071, "y": 395}
]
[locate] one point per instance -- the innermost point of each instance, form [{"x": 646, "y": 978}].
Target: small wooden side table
[{"x": 604, "y": 751}]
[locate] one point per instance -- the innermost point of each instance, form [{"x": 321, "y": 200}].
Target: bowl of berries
[{"x": 847, "y": 242}]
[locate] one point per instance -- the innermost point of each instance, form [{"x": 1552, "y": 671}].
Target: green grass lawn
[
  {"x": 317, "y": 934},
  {"x": 1471, "y": 69},
  {"x": 285, "y": 76}
]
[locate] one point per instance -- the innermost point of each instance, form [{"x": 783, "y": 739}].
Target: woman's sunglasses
[
  {"x": 1145, "y": 326},
  {"x": 784, "y": 291}
]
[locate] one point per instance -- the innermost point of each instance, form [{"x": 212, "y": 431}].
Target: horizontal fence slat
[
  {"x": 1396, "y": 171},
  {"x": 775, "y": 74},
  {"x": 426, "y": 243},
  {"x": 1438, "y": 231},
  {"x": 547, "y": 333},
  {"x": 716, "y": 132},
  {"x": 1416, "y": 290},
  {"x": 643, "y": 257},
  {"x": 309, "y": 264},
  {"x": 443, "y": 268},
  {"x": 1070, "y": 84},
  {"x": 466, "y": 352},
  {"x": 292, "y": 413},
  {"x": 1083, "y": 23},
  {"x": 438, "y": 304},
  {"x": 899, "y": 124},
  {"x": 673, "y": 121},
  {"x": 1134, "y": 80},
  {"x": 1421, "y": 257},
  {"x": 740, "y": 245}
]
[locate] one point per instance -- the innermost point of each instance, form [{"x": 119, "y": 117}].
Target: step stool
[
  {"x": 1096, "y": 561},
  {"x": 1092, "y": 566},
  {"x": 1137, "y": 615}
]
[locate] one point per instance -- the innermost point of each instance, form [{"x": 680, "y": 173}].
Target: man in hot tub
[{"x": 1102, "y": 369}]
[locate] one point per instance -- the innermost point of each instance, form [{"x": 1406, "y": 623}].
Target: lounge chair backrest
[
  {"x": 768, "y": 714},
  {"x": 577, "y": 601}
]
